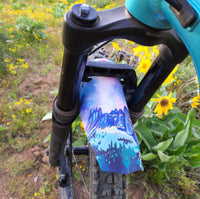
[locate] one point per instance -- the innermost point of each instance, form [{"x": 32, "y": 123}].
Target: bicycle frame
[
  {"x": 159, "y": 14},
  {"x": 95, "y": 27}
]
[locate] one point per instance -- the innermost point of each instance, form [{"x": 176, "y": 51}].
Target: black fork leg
[{"x": 65, "y": 106}]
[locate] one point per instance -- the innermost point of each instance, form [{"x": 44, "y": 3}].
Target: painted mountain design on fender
[{"x": 113, "y": 140}]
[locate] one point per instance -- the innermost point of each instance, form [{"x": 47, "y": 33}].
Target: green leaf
[
  {"x": 157, "y": 128},
  {"x": 79, "y": 142},
  {"x": 3, "y": 128},
  {"x": 145, "y": 135},
  {"x": 183, "y": 117},
  {"x": 149, "y": 156},
  {"x": 192, "y": 150},
  {"x": 178, "y": 151},
  {"x": 183, "y": 136},
  {"x": 195, "y": 133},
  {"x": 162, "y": 146},
  {"x": 163, "y": 157},
  {"x": 194, "y": 160},
  {"x": 193, "y": 142},
  {"x": 47, "y": 139},
  {"x": 176, "y": 125},
  {"x": 169, "y": 117},
  {"x": 48, "y": 116}
]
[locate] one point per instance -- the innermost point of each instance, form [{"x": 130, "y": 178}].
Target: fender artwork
[{"x": 108, "y": 125}]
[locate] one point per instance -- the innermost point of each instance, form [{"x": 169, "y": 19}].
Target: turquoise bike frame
[{"x": 157, "y": 14}]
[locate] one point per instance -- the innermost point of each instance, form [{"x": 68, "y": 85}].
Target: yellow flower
[
  {"x": 82, "y": 128},
  {"x": 156, "y": 50},
  {"x": 197, "y": 83},
  {"x": 195, "y": 101},
  {"x": 142, "y": 52},
  {"x": 28, "y": 110},
  {"x": 116, "y": 46},
  {"x": 171, "y": 76},
  {"x": 164, "y": 104},
  {"x": 144, "y": 65},
  {"x": 107, "y": 6}
]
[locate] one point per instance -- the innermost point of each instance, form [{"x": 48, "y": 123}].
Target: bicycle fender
[{"x": 108, "y": 125}]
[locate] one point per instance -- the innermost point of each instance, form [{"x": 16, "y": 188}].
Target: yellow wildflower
[
  {"x": 171, "y": 76},
  {"x": 108, "y": 6},
  {"x": 26, "y": 101},
  {"x": 197, "y": 82},
  {"x": 156, "y": 50},
  {"x": 142, "y": 52},
  {"x": 195, "y": 101},
  {"x": 144, "y": 65},
  {"x": 13, "y": 72},
  {"x": 164, "y": 104},
  {"x": 82, "y": 128},
  {"x": 116, "y": 46},
  {"x": 28, "y": 110}
]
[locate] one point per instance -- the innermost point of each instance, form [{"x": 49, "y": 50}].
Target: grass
[{"x": 30, "y": 58}]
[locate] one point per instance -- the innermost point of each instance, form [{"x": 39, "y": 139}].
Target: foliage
[
  {"x": 172, "y": 139},
  {"x": 3, "y": 38},
  {"x": 58, "y": 10},
  {"x": 31, "y": 29}
]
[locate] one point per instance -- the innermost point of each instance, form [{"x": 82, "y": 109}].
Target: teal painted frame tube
[{"x": 157, "y": 14}]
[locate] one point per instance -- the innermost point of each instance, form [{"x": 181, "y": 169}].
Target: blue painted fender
[{"x": 108, "y": 126}]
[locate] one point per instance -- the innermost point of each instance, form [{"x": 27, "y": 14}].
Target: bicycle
[{"x": 170, "y": 23}]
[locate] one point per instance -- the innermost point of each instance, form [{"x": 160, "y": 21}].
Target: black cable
[{"x": 99, "y": 46}]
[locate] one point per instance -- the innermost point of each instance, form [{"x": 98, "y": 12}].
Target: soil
[{"x": 35, "y": 85}]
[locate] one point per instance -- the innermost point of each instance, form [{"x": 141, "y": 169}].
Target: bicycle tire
[{"x": 104, "y": 185}]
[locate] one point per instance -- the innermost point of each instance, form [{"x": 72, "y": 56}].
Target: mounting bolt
[
  {"x": 83, "y": 15},
  {"x": 84, "y": 10}
]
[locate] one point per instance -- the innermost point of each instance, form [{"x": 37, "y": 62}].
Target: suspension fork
[{"x": 83, "y": 27}]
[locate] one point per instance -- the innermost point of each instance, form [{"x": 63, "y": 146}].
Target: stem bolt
[{"x": 84, "y": 10}]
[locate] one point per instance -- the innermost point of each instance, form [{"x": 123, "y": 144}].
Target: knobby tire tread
[{"x": 105, "y": 185}]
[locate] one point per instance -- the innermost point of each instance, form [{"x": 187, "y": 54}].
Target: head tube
[
  {"x": 148, "y": 12},
  {"x": 190, "y": 35},
  {"x": 158, "y": 14}
]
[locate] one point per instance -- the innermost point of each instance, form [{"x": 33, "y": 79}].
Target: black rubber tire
[
  {"x": 105, "y": 185},
  {"x": 102, "y": 185}
]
